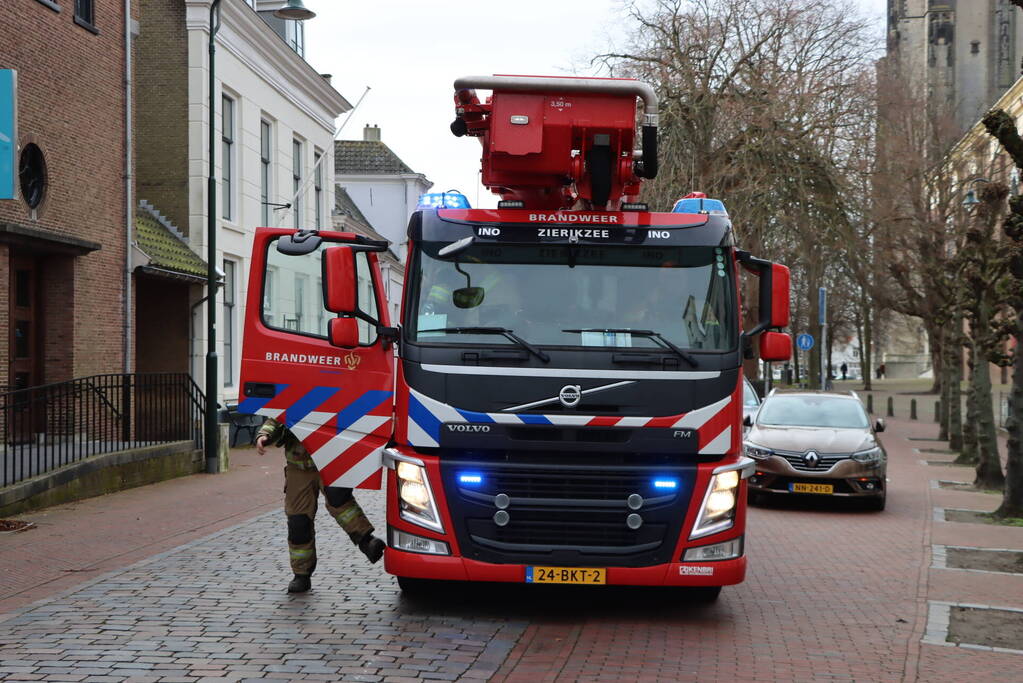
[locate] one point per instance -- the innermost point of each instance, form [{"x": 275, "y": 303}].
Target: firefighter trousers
[{"x": 302, "y": 487}]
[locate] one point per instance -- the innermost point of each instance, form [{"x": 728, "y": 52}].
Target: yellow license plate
[
  {"x": 586, "y": 575},
  {"x": 799, "y": 487}
]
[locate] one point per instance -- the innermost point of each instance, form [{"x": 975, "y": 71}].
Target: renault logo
[
  {"x": 811, "y": 459},
  {"x": 570, "y": 395}
]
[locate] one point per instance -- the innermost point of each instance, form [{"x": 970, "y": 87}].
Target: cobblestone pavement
[{"x": 833, "y": 593}]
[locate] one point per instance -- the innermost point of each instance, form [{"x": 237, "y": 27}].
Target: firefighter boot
[
  {"x": 372, "y": 547},
  {"x": 300, "y": 584}
]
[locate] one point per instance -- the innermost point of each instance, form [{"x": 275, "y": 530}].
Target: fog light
[
  {"x": 401, "y": 540},
  {"x": 727, "y": 550}
]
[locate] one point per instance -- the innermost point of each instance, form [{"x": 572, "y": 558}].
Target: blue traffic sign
[
  {"x": 804, "y": 342},
  {"x": 8, "y": 132}
]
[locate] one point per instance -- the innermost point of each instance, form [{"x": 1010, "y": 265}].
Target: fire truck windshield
[{"x": 575, "y": 296}]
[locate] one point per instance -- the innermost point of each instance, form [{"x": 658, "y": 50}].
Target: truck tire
[
  {"x": 703, "y": 595},
  {"x": 418, "y": 588}
]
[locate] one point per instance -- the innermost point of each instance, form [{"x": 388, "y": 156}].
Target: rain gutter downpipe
[{"x": 129, "y": 195}]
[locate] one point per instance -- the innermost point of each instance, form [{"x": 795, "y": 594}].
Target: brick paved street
[{"x": 833, "y": 593}]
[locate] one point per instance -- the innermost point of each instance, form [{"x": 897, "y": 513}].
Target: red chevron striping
[
  {"x": 352, "y": 456},
  {"x": 609, "y": 421},
  {"x": 713, "y": 427},
  {"x": 666, "y": 421}
]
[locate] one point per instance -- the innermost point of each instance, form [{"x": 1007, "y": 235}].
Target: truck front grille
[{"x": 566, "y": 514}]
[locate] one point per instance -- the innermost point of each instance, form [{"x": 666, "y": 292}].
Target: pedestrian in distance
[
  {"x": 880, "y": 371},
  {"x": 845, "y": 370},
  {"x": 302, "y": 487}
]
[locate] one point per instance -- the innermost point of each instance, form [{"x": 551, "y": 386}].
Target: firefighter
[{"x": 302, "y": 486}]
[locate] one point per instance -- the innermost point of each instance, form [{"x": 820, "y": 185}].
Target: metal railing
[{"x": 46, "y": 427}]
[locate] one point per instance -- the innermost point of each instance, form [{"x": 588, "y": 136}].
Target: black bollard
[
  {"x": 937, "y": 410},
  {"x": 891, "y": 406},
  {"x": 870, "y": 404},
  {"x": 912, "y": 409}
]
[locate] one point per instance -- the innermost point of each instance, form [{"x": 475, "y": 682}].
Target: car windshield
[
  {"x": 565, "y": 295},
  {"x": 813, "y": 411},
  {"x": 749, "y": 395}
]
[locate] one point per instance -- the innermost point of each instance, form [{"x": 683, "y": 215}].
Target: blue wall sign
[
  {"x": 804, "y": 342},
  {"x": 8, "y": 132}
]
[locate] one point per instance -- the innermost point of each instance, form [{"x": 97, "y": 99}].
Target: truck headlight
[
  {"x": 869, "y": 457},
  {"x": 756, "y": 452},
  {"x": 415, "y": 498},
  {"x": 718, "y": 510}
]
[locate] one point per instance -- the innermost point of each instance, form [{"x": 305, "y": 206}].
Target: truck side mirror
[
  {"x": 344, "y": 332},
  {"x": 339, "y": 295},
  {"x": 779, "y": 296},
  {"x": 775, "y": 346}
]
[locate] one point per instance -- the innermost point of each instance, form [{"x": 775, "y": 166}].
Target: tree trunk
[
  {"x": 968, "y": 453},
  {"x": 989, "y": 467},
  {"x": 934, "y": 339},
  {"x": 955, "y": 398},
  {"x": 866, "y": 352},
  {"x": 1012, "y": 496},
  {"x": 945, "y": 383}
]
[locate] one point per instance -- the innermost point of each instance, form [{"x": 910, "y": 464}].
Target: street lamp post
[
  {"x": 293, "y": 10},
  {"x": 212, "y": 441}
]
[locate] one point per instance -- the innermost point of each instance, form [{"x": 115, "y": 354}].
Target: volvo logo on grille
[
  {"x": 468, "y": 428},
  {"x": 811, "y": 459},
  {"x": 570, "y": 395}
]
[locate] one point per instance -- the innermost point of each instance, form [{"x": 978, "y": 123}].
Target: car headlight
[
  {"x": 869, "y": 457},
  {"x": 718, "y": 510},
  {"x": 756, "y": 452},
  {"x": 415, "y": 498}
]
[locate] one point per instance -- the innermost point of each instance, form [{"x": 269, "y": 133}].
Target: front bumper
[
  {"x": 849, "y": 478},
  {"x": 415, "y": 565}
]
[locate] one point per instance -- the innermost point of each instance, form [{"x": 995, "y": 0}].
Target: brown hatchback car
[{"x": 816, "y": 443}]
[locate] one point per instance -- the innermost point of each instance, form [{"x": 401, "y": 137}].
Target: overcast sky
[{"x": 410, "y": 51}]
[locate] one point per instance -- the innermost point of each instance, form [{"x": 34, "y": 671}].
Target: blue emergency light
[
  {"x": 470, "y": 478},
  {"x": 700, "y": 205},
  {"x": 670, "y": 484},
  {"x": 451, "y": 199}
]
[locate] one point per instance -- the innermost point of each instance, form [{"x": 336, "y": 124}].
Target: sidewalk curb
[
  {"x": 911, "y": 666},
  {"x": 7, "y": 616}
]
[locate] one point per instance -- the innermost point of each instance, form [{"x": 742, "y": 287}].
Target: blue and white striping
[{"x": 426, "y": 416}]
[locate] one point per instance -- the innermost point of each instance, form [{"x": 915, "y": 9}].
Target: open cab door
[{"x": 317, "y": 354}]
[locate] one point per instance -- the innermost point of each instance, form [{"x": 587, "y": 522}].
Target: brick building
[{"x": 62, "y": 241}]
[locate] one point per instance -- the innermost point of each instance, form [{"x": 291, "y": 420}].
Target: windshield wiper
[
  {"x": 496, "y": 330},
  {"x": 656, "y": 336}
]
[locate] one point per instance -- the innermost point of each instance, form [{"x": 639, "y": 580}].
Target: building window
[
  {"x": 318, "y": 187},
  {"x": 227, "y": 142},
  {"x": 296, "y": 176},
  {"x": 32, "y": 175},
  {"x": 264, "y": 170},
  {"x": 268, "y": 295},
  {"x": 295, "y": 35},
  {"x": 230, "y": 280},
  {"x": 85, "y": 14},
  {"x": 300, "y": 302}
]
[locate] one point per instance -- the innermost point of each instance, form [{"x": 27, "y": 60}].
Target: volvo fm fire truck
[{"x": 561, "y": 399}]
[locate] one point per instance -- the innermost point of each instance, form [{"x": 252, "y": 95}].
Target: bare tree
[
  {"x": 757, "y": 100},
  {"x": 1002, "y": 127}
]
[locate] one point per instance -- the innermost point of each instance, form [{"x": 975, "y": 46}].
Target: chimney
[{"x": 371, "y": 133}]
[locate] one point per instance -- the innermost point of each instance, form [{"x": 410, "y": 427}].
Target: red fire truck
[{"x": 561, "y": 400}]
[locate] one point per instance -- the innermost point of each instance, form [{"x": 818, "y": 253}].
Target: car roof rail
[{"x": 854, "y": 394}]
